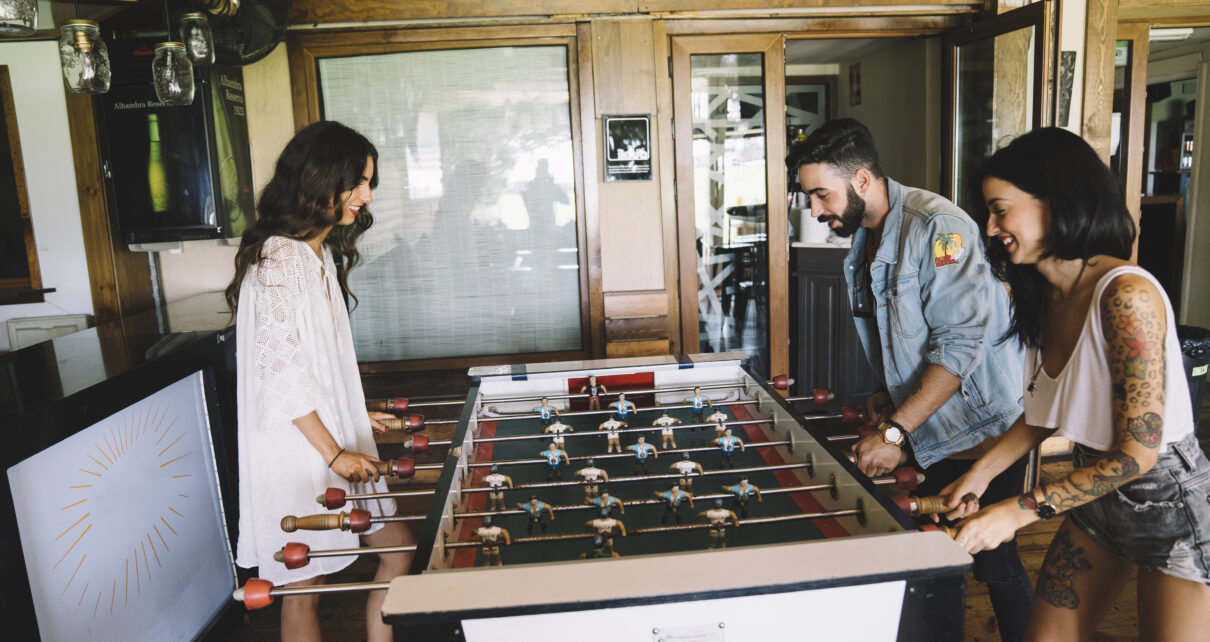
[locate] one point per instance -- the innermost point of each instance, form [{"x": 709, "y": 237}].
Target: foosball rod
[
  {"x": 584, "y": 413},
  {"x": 297, "y": 555},
  {"x": 258, "y": 593},
  {"x": 780, "y": 382},
  {"x": 334, "y": 498},
  {"x": 884, "y": 480},
  {"x": 518, "y": 462},
  {"x": 402, "y": 404},
  {"x": 649, "y": 530},
  {"x": 598, "y": 433},
  {"x": 639, "y": 478}
]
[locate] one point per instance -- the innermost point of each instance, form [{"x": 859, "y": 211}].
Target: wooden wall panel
[
  {"x": 622, "y": 349},
  {"x": 632, "y": 304},
  {"x": 1100, "y": 38},
  {"x": 625, "y": 78},
  {"x": 325, "y": 11}
]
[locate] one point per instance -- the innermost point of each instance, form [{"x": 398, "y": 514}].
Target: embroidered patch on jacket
[{"x": 947, "y": 249}]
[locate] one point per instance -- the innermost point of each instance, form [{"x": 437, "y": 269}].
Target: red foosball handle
[
  {"x": 781, "y": 382},
  {"x": 916, "y": 506},
  {"x": 294, "y": 555},
  {"x": 255, "y": 594},
  {"x": 332, "y": 498},
  {"x": 401, "y": 468},
  {"x": 907, "y": 478},
  {"x": 359, "y": 520},
  {"x": 418, "y": 443},
  {"x": 852, "y": 414},
  {"x": 821, "y": 396},
  {"x": 411, "y": 423},
  {"x": 399, "y": 404}
]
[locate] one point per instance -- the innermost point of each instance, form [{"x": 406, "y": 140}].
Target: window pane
[
  {"x": 474, "y": 245},
  {"x": 995, "y": 99},
  {"x": 729, "y": 201}
]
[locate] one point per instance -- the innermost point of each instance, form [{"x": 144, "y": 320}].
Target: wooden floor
[{"x": 343, "y": 615}]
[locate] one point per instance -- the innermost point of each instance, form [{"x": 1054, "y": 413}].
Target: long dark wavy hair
[
  {"x": 302, "y": 199},
  {"x": 1088, "y": 216}
]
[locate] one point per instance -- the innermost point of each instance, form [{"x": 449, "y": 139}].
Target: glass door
[
  {"x": 999, "y": 72},
  {"x": 729, "y": 115}
]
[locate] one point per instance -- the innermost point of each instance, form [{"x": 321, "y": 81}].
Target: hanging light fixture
[
  {"x": 18, "y": 17},
  {"x": 83, "y": 56},
  {"x": 172, "y": 74},
  {"x": 199, "y": 41},
  {"x": 171, "y": 71}
]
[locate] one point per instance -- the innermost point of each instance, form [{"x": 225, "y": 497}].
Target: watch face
[
  {"x": 893, "y": 434},
  {"x": 1045, "y": 511}
]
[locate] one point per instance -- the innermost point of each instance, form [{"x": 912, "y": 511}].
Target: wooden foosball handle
[
  {"x": 411, "y": 423},
  {"x": 402, "y": 468},
  {"x": 931, "y": 505},
  {"x": 321, "y": 522},
  {"x": 398, "y": 404}
]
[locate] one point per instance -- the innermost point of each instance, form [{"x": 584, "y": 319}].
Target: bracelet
[{"x": 338, "y": 454}]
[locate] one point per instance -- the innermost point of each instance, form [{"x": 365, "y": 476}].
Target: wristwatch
[
  {"x": 892, "y": 433},
  {"x": 1045, "y": 509}
]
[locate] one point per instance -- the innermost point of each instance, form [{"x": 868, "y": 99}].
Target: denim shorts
[{"x": 1160, "y": 520}]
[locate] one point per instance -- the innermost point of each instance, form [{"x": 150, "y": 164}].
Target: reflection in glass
[
  {"x": 729, "y": 197},
  {"x": 995, "y": 100},
  {"x": 474, "y": 245},
  {"x": 1119, "y": 131}
]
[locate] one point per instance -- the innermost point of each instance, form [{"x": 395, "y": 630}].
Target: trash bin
[{"x": 1195, "y": 350}]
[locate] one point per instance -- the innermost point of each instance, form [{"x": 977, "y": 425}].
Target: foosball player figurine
[
  {"x": 613, "y": 438},
  {"x": 665, "y": 424},
  {"x": 537, "y": 513},
  {"x": 605, "y": 500},
  {"x": 554, "y": 457},
  {"x": 622, "y": 409},
  {"x": 547, "y": 413},
  {"x": 556, "y": 430},
  {"x": 687, "y": 467},
  {"x": 727, "y": 445},
  {"x": 491, "y": 536},
  {"x": 673, "y": 501},
  {"x": 718, "y": 517},
  {"x": 719, "y": 419},
  {"x": 592, "y": 476},
  {"x": 605, "y": 527},
  {"x": 594, "y": 391},
  {"x": 700, "y": 403},
  {"x": 496, "y": 481},
  {"x": 598, "y": 550},
  {"x": 641, "y": 450},
  {"x": 742, "y": 491}
]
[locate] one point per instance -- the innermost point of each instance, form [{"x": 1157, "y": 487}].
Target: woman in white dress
[
  {"x": 1103, "y": 368},
  {"x": 303, "y": 425}
]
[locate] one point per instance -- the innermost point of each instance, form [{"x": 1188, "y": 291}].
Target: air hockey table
[{"x": 825, "y": 553}]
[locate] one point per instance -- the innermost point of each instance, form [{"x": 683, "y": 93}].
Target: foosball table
[{"x": 661, "y": 498}]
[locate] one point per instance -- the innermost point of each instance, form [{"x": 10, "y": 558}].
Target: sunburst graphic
[{"x": 140, "y": 450}]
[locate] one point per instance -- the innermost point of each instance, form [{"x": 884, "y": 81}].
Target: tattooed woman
[{"x": 1103, "y": 369}]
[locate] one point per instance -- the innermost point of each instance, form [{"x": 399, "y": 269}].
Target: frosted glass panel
[{"x": 474, "y": 245}]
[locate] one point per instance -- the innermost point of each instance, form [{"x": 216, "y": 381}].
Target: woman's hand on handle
[
  {"x": 959, "y": 494},
  {"x": 992, "y": 526},
  {"x": 375, "y": 422},
  {"x": 355, "y": 466}
]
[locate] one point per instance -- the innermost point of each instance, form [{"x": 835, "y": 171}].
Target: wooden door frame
[
  {"x": 306, "y": 49},
  {"x": 1039, "y": 15},
  {"x": 772, "y": 50},
  {"x": 1135, "y": 105}
]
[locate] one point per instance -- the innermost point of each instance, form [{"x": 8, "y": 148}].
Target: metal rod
[
  {"x": 580, "y": 413},
  {"x": 643, "y": 391},
  {"x": 848, "y": 512},
  {"x": 638, "y": 478},
  {"x": 328, "y": 588},
  {"x": 643, "y": 502},
  {"x": 517, "y": 462},
  {"x": 393, "y": 494},
  {"x": 345, "y": 552},
  {"x": 594, "y": 433}
]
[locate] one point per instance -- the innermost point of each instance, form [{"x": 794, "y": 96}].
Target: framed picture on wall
[{"x": 627, "y": 147}]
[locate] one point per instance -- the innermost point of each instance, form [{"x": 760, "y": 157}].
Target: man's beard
[{"x": 850, "y": 219}]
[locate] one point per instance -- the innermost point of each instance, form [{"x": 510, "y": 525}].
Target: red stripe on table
[
  {"x": 465, "y": 557},
  {"x": 828, "y": 526},
  {"x": 615, "y": 384}
]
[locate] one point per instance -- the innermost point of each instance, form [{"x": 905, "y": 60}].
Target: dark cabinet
[{"x": 825, "y": 351}]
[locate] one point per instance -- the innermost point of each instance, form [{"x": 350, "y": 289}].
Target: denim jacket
[{"x": 937, "y": 302}]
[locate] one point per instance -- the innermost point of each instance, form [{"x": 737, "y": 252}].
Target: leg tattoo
[{"x": 1063, "y": 562}]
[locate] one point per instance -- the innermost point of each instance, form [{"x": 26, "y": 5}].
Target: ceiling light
[
  {"x": 1172, "y": 34},
  {"x": 18, "y": 17}
]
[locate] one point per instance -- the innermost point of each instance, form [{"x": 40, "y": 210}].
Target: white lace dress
[{"x": 295, "y": 354}]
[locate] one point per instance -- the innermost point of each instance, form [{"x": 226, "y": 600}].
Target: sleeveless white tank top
[{"x": 1079, "y": 401}]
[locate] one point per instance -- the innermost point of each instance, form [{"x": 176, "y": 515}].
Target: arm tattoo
[
  {"x": 1146, "y": 430},
  {"x": 1086, "y": 484},
  {"x": 1063, "y": 562}
]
